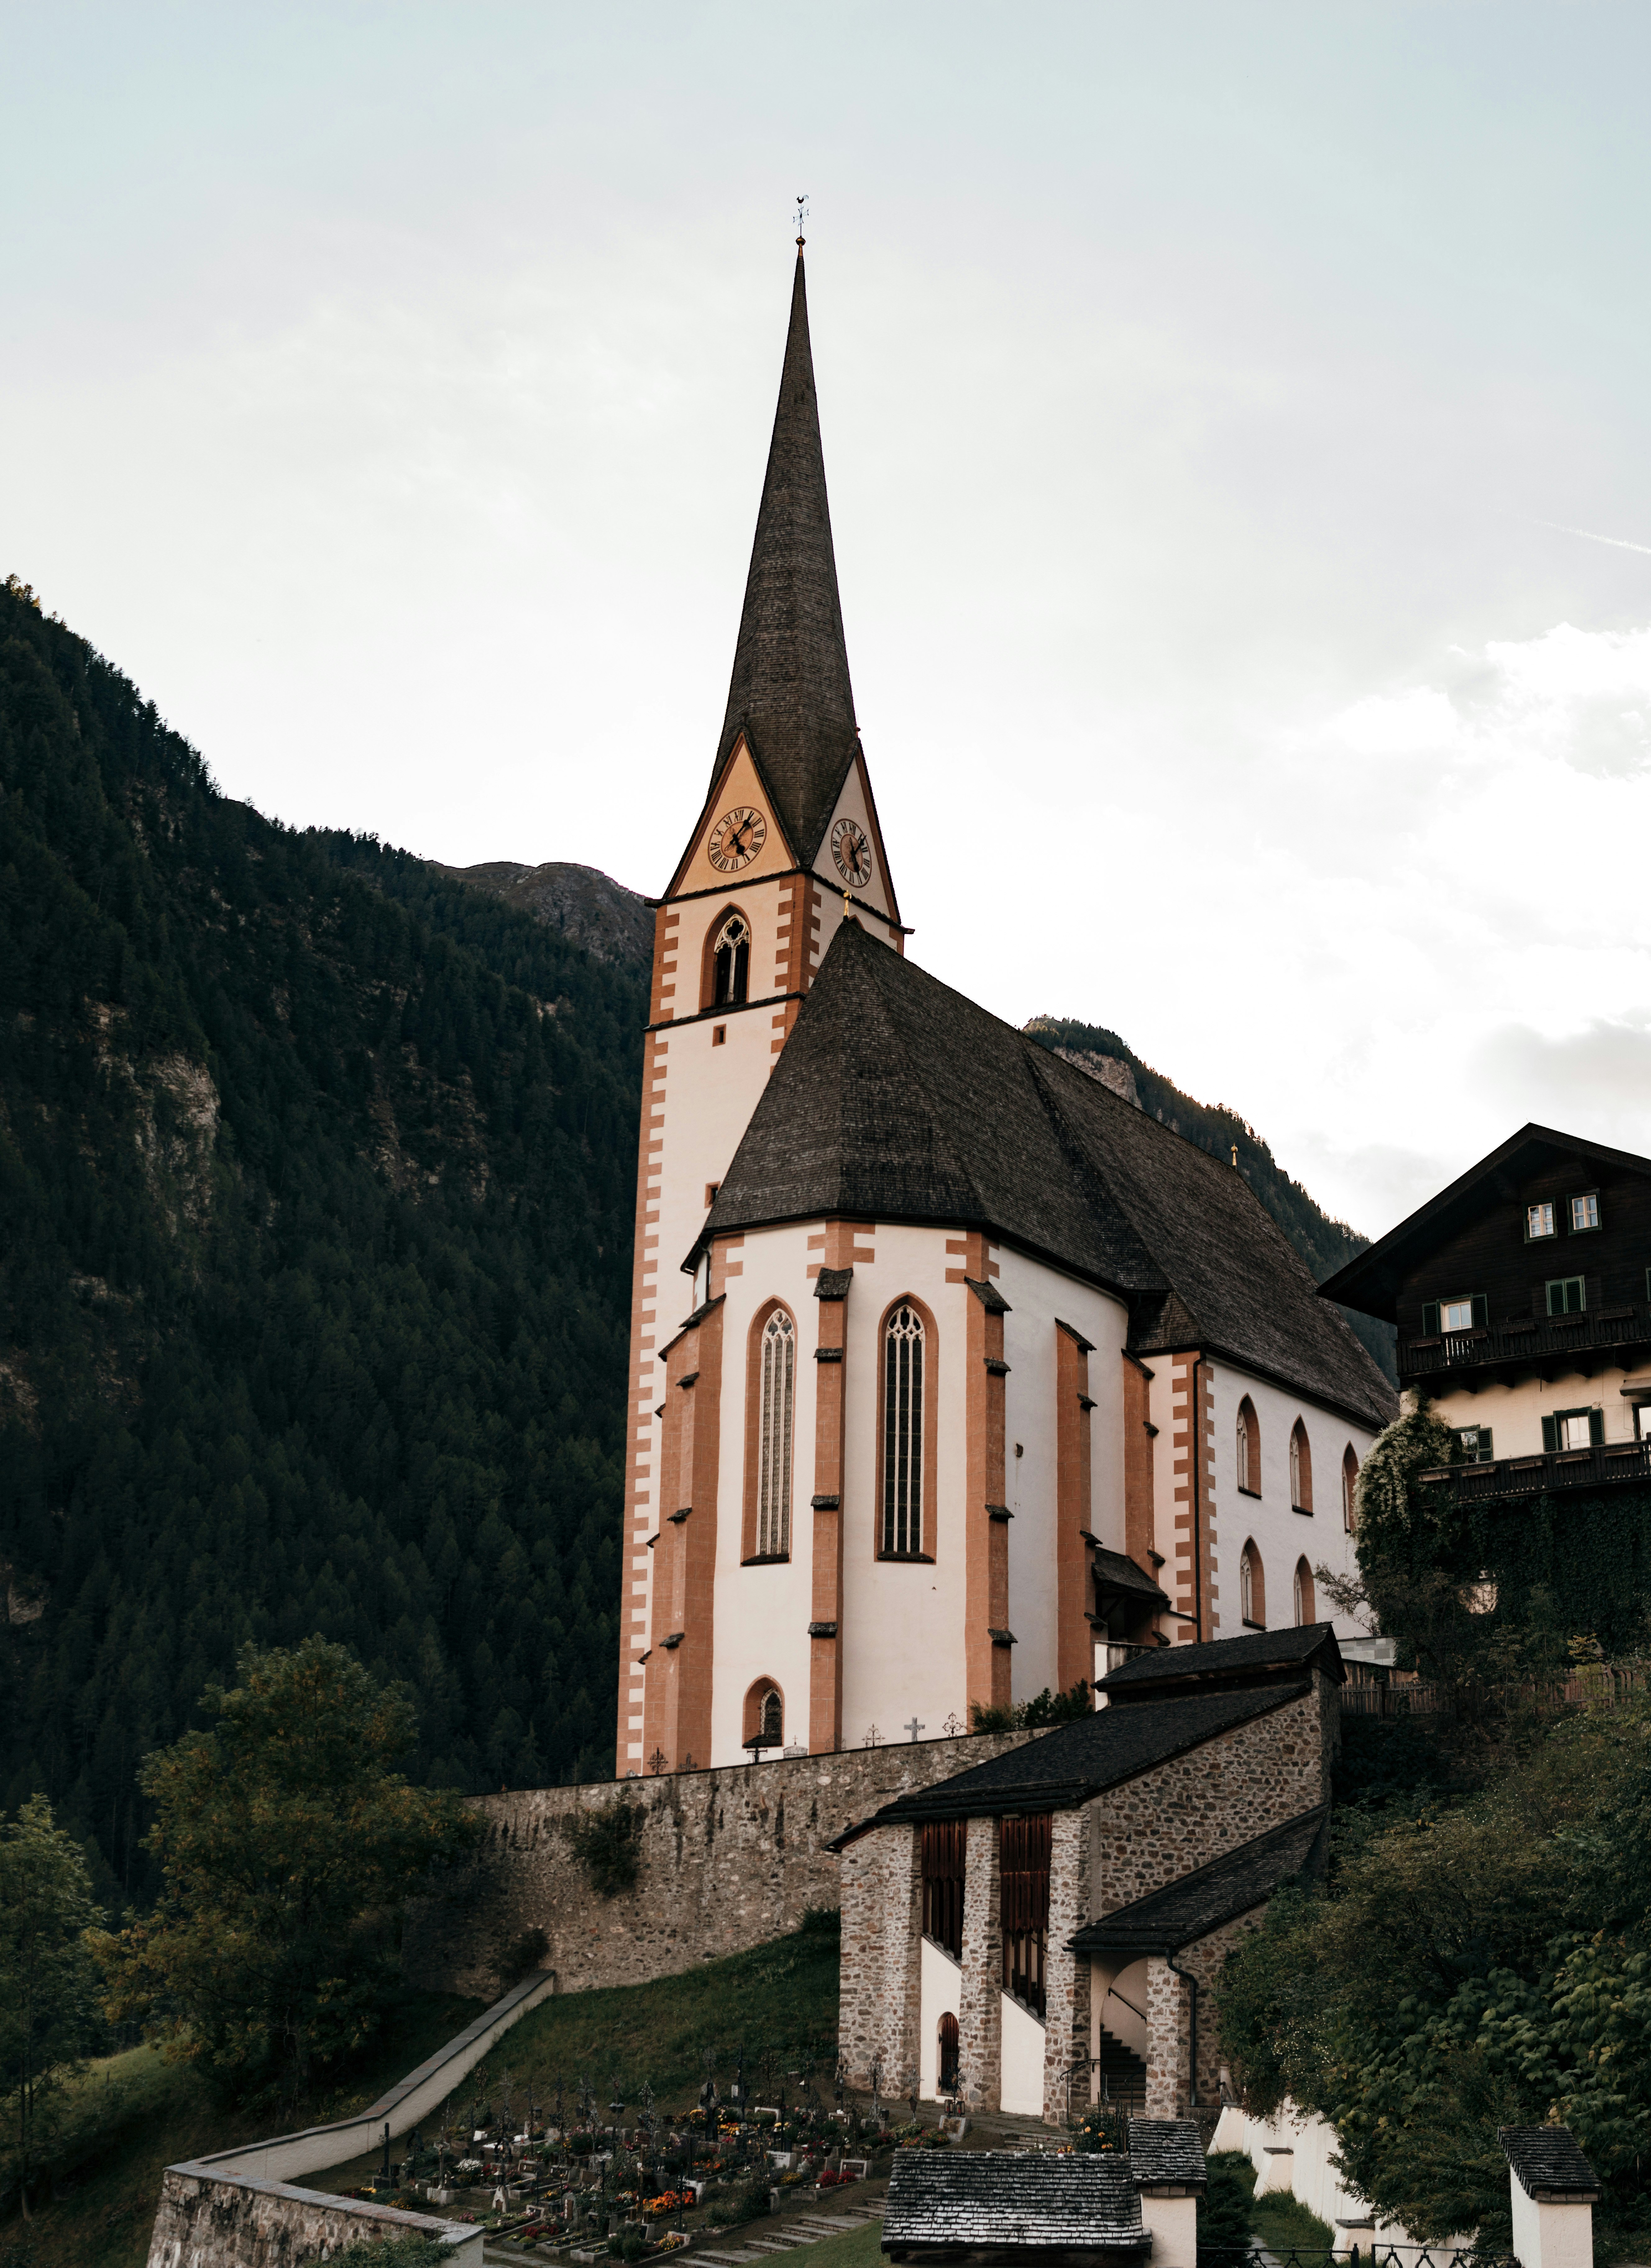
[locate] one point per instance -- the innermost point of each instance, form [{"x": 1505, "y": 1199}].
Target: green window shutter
[
  {"x": 1596, "y": 1427},
  {"x": 1487, "y": 1455},
  {"x": 1550, "y": 1433},
  {"x": 1430, "y": 1315},
  {"x": 1481, "y": 1312}
]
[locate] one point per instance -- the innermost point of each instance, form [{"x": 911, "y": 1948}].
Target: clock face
[
  {"x": 735, "y": 840},
  {"x": 852, "y": 852}
]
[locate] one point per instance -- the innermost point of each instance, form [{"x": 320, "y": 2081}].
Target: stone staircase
[
  {"x": 791, "y": 2231},
  {"x": 1120, "y": 2074}
]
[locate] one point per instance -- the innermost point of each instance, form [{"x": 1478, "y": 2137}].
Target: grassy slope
[
  {"x": 161, "y": 2112},
  {"x": 781, "y": 1997}
]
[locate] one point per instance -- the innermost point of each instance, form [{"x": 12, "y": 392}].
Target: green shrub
[
  {"x": 1226, "y": 2209},
  {"x": 606, "y": 1840}
]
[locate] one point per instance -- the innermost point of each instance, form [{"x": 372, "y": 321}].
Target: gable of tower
[
  {"x": 740, "y": 787},
  {"x": 853, "y": 827}
]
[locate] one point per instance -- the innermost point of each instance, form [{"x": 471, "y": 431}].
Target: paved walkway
[{"x": 781, "y": 2233}]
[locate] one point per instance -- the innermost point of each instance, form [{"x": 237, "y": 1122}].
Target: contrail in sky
[{"x": 1618, "y": 542}]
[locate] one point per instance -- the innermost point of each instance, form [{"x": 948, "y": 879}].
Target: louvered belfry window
[
  {"x": 903, "y": 1432},
  {"x": 943, "y": 1846},
  {"x": 773, "y": 1464},
  {"x": 1023, "y": 1884}
]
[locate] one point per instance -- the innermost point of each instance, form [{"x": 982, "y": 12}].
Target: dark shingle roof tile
[
  {"x": 1024, "y": 2202},
  {"x": 1188, "y": 1909}
]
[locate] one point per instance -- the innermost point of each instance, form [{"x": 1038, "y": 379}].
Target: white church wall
[
  {"x": 1022, "y": 2060},
  {"x": 903, "y": 1623},
  {"x": 1282, "y": 1535},
  {"x": 760, "y": 1617},
  {"x": 1037, "y": 1296},
  {"x": 939, "y": 1993}
]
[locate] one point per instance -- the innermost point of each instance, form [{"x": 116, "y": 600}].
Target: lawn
[{"x": 778, "y": 2002}]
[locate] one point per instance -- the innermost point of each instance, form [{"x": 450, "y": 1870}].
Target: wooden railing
[
  {"x": 1601, "y": 1466},
  {"x": 1557, "y": 1335}
]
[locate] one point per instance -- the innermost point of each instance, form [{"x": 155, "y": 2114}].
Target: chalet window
[
  {"x": 1300, "y": 1468},
  {"x": 1642, "y": 1421},
  {"x": 1574, "y": 1429},
  {"x": 1252, "y": 1590},
  {"x": 1023, "y": 1883},
  {"x": 1349, "y": 1491},
  {"x": 1304, "y": 1605},
  {"x": 943, "y": 1846},
  {"x": 1538, "y": 1223},
  {"x": 774, "y": 1436},
  {"x": 1584, "y": 1212},
  {"x": 1248, "y": 1445},
  {"x": 1474, "y": 1441},
  {"x": 1567, "y": 1295},
  {"x": 1469, "y": 1311},
  {"x": 731, "y": 963},
  {"x": 902, "y": 1432}
]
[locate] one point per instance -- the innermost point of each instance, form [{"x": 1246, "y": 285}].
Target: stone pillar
[
  {"x": 1168, "y": 2040},
  {"x": 1066, "y": 1974},
  {"x": 980, "y": 2009},
  {"x": 881, "y": 1958}
]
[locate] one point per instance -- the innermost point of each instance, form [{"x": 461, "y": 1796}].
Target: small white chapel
[{"x": 954, "y": 1376}]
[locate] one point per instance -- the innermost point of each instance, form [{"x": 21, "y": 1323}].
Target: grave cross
[{"x": 912, "y": 1727}]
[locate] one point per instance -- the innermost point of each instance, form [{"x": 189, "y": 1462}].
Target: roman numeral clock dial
[
  {"x": 852, "y": 852},
  {"x": 735, "y": 840}
]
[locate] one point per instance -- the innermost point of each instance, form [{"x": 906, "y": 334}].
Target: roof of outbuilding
[
  {"x": 1026, "y": 2201},
  {"x": 790, "y": 692},
  {"x": 1207, "y": 1899},
  {"x": 896, "y": 1098},
  {"x": 1114, "y": 1571},
  {"x": 1167, "y": 2152},
  {"x": 1546, "y": 2159},
  {"x": 1173, "y": 1668},
  {"x": 1078, "y": 1760}
]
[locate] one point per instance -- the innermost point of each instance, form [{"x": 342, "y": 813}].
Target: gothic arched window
[
  {"x": 1350, "y": 1490},
  {"x": 731, "y": 962},
  {"x": 1304, "y": 1605},
  {"x": 902, "y": 1431},
  {"x": 1252, "y": 1588},
  {"x": 778, "y": 1388},
  {"x": 1248, "y": 1445},
  {"x": 1300, "y": 1468},
  {"x": 764, "y": 1716}
]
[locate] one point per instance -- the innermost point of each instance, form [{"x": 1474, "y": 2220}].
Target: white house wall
[
  {"x": 1021, "y": 2067},
  {"x": 1515, "y": 1413},
  {"x": 939, "y": 1993}
]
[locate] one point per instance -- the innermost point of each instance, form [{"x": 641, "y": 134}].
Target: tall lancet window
[
  {"x": 733, "y": 961},
  {"x": 902, "y": 1432},
  {"x": 773, "y": 1464}
]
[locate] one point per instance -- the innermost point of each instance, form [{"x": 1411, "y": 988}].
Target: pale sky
[{"x": 1212, "y": 397}]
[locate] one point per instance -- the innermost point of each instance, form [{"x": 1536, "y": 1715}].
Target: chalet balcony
[
  {"x": 1509, "y": 1477},
  {"x": 1554, "y": 1343}
]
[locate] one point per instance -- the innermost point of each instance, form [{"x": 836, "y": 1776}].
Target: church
[{"x": 954, "y": 1376}]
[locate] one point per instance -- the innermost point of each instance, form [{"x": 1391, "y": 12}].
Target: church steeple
[{"x": 790, "y": 692}]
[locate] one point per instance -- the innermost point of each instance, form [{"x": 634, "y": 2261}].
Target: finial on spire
[{"x": 802, "y": 214}]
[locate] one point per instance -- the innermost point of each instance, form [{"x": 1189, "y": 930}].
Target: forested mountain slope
[
  {"x": 1324, "y": 1244},
  {"x": 316, "y": 1179}
]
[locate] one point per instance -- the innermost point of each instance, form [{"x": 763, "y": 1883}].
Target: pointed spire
[{"x": 789, "y": 690}]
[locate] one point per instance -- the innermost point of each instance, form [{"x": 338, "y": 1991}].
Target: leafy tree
[
  {"x": 1044, "y": 1708},
  {"x": 48, "y": 2011},
  {"x": 1225, "y": 2210},
  {"x": 1480, "y": 1963},
  {"x": 287, "y": 1841}
]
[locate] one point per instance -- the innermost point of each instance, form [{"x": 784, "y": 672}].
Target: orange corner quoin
[{"x": 929, "y": 1366}]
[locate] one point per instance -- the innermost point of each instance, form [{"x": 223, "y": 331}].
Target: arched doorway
[{"x": 950, "y": 2047}]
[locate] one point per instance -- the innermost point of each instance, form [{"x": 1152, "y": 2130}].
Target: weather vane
[{"x": 802, "y": 214}]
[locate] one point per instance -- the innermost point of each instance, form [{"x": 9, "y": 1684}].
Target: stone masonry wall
[
  {"x": 882, "y": 1972},
  {"x": 728, "y": 1860},
  {"x": 980, "y": 1999},
  {"x": 251, "y": 2224},
  {"x": 1182, "y": 1814},
  {"x": 1168, "y": 2013},
  {"x": 1065, "y": 1976},
  {"x": 1204, "y": 1960}
]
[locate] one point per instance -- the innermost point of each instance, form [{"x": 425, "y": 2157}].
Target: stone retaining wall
[
  {"x": 728, "y": 1860},
  {"x": 235, "y": 2221}
]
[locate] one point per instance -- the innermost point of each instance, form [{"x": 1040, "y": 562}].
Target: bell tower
[{"x": 786, "y": 845}]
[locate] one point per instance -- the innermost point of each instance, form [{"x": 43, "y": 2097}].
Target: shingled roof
[
  {"x": 790, "y": 692},
  {"x": 1207, "y": 1899},
  {"x": 1167, "y": 2154},
  {"x": 896, "y": 1098},
  {"x": 1225, "y": 1664},
  {"x": 1548, "y": 2163},
  {"x": 1023, "y": 2201},
  {"x": 1078, "y": 1760}
]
